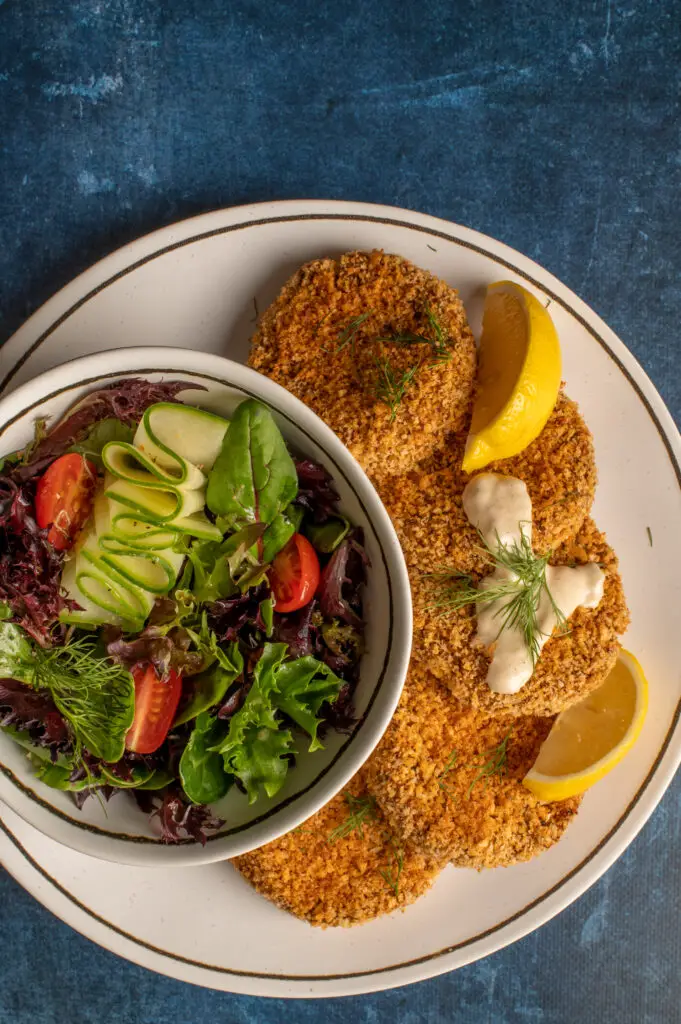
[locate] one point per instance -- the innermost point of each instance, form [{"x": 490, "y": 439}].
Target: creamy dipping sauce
[{"x": 500, "y": 508}]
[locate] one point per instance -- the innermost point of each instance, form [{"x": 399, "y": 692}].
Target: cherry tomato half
[
  {"x": 156, "y": 702},
  {"x": 63, "y": 499},
  {"x": 294, "y": 576}
]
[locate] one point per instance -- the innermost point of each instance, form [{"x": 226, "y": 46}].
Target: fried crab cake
[
  {"x": 449, "y": 782},
  {"x": 329, "y": 339},
  {"x": 571, "y": 665},
  {"x": 558, "y": 468},
  {"x": 342, "y": 866}
]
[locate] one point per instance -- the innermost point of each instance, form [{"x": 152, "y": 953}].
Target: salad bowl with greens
[{"x": 205, "y": 619}]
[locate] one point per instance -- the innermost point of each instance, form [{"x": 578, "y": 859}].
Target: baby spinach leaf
[
  {"x": 303, "y": 686},
  {"x": 211, "y": 686},
  {"x": 159, "y": 780},
  {"x": 326, "y": 537},
  {"x": 202, "y": 771},
  {"x": 254, "y": 477},
  {"x": 279, "y": 532}
]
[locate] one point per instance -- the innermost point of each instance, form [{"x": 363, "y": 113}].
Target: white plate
[{"x": 194, "y": 284}]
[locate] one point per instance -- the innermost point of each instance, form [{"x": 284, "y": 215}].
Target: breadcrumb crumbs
[
  {"x": 344, "y": 882},
  {"x": 558, "y": 468},
  {"x": 423, "y": 776},
  {"x": 306, "y": 341}
]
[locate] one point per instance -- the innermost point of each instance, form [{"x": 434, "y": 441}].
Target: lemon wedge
[
  {"x": 518, "y": 375},
  {"x": 590, "y": 738}
]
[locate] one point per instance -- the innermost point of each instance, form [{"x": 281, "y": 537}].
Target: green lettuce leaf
[
  {"x": 248, "y": 751},
  {"x": 303, "y": 686},
  {"x": 257, "y": 743}
]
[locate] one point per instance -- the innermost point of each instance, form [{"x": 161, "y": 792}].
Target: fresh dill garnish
[
  {"x": 319, "y": 323},
  {"x": 438, "y": 341},
  {"x": 431, "y": 247},
  {"x": 650, "y": 535},
  {"x": 518, "y": 594},
  {"x": 495, "y": 764},
  {"x": 390, "y": 386},
  {"x": 442, "y": 777},
  {"x": 361, "y": 809},
  {"x": 393, "y": 869},
  {"x": 347, "y": 335},
  {"x": 94, "y": 694}
]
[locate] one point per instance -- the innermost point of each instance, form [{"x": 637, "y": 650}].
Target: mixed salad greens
[{"x": 180, "y": 603}]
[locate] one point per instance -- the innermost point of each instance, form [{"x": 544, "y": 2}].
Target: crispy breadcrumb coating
[
  {"x": 570, "y": 666},
  {"x": 345, "y": 881},
  {"x": 423, "y": 777},
  {"x": 558, "y": 469},
  {"x": 306, "y": 342}
]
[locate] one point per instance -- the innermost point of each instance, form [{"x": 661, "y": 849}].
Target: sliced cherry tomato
[
  {"x": 63, "y": 499},
  {"x": 294, "y": 575},
  {"x": 156, "y": 702}
]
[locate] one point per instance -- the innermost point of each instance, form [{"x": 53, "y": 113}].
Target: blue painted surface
[{"x": 552, "y": 126}]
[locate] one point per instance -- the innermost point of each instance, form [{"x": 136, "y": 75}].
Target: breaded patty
[
  {"x": 558, "y": 469},
  {"x": 344, "y": 880},
  {"x": 570, "y": 666},
  {"x": 423, "y": 776},
  {"x": 311, "y": 341}
]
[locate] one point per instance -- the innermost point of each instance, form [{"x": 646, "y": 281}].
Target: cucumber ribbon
[{"x": 154, "y": 495}]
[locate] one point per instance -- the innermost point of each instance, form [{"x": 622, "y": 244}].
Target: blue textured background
[{"x": 553, "y": 126}]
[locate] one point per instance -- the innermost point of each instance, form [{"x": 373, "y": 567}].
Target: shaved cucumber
[
  {"x": 168, "y": 432},
  {"x": 154, "y": 491}
]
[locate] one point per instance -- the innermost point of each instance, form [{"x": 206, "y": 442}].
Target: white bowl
[{"x": 119, "y": 831}]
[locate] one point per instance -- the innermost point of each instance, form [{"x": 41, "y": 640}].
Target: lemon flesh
[
  {"x": 590, "y": 738},
  {"x": 518, "y": 375}
]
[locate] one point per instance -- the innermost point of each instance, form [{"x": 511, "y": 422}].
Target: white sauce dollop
[{"x": 500, "y": 508}]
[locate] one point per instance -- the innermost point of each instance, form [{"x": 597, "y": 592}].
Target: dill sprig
[
  {"x": 442, "y": 777},
  {"x": 518, "y": 593},
  {"x": 390, "y": 386},
  {"x": 361, "y": 809},
  {"x": 438, "y": 342},
  {"x": 94, "y": 694},
  {"x": 392, "y": 871},
  {"x": 347, "y": 335},
  {"x": 495, "y": 764}
]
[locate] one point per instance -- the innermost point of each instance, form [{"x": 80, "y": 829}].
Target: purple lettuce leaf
[
  {"x": 125, "y": 400},
  {"x": 342, "y": 580},
  {"x": 239, "y": 617},
  {"x": 316, "y": 491},
  {"x": 298, "y": 631},
  {"x": 165, "y": 652},
  {"x": 35, "y": 712},
  {"x": 179, "y": 819},
  {"x": 30, "y": 568}
]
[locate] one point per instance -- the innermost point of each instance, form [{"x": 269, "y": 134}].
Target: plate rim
[{"x": 662, "y": 770}]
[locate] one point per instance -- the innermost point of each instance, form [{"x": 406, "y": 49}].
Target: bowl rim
[{"x": 94, "y": 368}]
